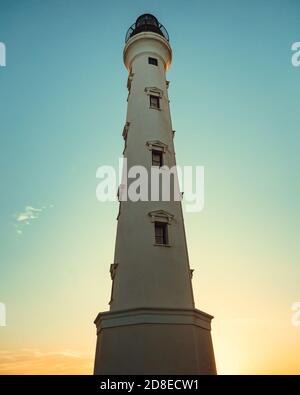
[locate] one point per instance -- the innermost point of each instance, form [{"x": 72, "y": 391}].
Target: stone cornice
[{"x": 148, "y": 315}]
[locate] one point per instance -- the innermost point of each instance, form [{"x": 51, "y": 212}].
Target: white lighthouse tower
[{"x": 152, "y": 326}]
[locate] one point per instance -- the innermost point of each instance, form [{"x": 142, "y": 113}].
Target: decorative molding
[
  {"x": 119, "y": 212},
  {"x": 121, "y": 191},
  {"x": 113, "y": 269},
  {"x": 154, "y": 91},
  {"x": 157, "y": 145},
  {"x": 129, "y": 80},
  {"x": 195, "y": 317},
  {"x": 161, "y": 216},
  {"x": 125, "y": 130}
]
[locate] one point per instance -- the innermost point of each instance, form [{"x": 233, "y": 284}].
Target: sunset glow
[{"x": 234, "y": 97}]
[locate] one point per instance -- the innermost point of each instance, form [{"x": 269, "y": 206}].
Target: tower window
[
  {"x": 157, "y": 158},
  {"x": 154, "y": 102},
  {"x": 153, "y": 61},
  {"x": 161, "y": 233}
]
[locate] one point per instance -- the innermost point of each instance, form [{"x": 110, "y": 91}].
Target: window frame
[
  {"x": 157, "y": 100},
  {"x": 163, "y": 217},
  {"x": 152, "y": 61},
  {"x": 163, "y": 238},
  {"x": 159, "y": 147},
  {"x": 157, "y": 93},
  {"x": 159, "y": 153}
]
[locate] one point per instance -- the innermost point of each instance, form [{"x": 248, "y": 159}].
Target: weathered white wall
[
  {"x": 155, "y": 342},
  {"x": 152, "y": 326},
  {"x": 149, "y": 275}
]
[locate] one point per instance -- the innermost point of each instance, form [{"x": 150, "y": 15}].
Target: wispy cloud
[
  {"x": 26, "y": 216},
  {"x": 33, "y": 361}
]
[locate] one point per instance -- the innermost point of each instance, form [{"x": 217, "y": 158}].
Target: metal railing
[{"x": 146, "y": 27}]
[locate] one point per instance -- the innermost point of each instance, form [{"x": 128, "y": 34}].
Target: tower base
[{"x": 154, "y": 341}]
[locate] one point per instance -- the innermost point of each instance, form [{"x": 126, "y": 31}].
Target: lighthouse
[{"x": 152, "y": 326}]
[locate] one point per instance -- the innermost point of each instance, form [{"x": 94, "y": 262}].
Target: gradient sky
[{"x": 235, "y": 103}]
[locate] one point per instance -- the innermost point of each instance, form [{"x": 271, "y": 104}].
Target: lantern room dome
[{"x": 146, "y": 23}]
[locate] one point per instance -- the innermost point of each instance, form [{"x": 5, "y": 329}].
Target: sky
[{"x": 235, "y": 99}]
